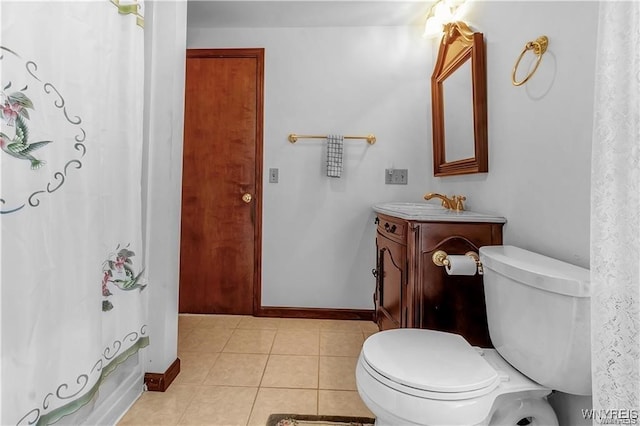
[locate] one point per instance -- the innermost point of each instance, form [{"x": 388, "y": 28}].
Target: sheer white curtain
[
  {"x": 615, "y": 210},
  {"x": 72, "y": 282}
]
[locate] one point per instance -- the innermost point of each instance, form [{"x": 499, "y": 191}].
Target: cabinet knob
[
  {"x": 390, "y": 228},
  {"x": 374, "y": 272}
]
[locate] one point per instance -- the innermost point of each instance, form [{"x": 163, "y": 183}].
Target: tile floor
[{"x": 236, "y": 370}]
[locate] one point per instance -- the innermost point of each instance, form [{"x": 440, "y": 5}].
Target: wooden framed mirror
[{"x": 459, "y": 103}]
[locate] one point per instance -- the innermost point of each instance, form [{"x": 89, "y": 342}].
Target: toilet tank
[{"x": 538, "y": 313}]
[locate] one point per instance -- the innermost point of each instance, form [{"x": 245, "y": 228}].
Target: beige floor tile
[
  {"x": 300, "y": 323},
  {"x": 220, "y": 405},
  {"x": 194, "y": 366},
  {"x": 183, "y": 334},
  {"x": 369, "y": 327},
  {"x": 337, "y": 373},
  {"x": 291, "y": 371},
  {"x": 272, "y": 400},
  {"x": 233, "y": 369},
  {"x": 255, "y": 341},
  {"x": 367, "y": 335},
  {"x": 160, "y": 408},
  {"x": 220, "y": 321},
  {"x": 259, "y": 323},
  {"x": 341, "y": 403},
  {"x": 224, "y": 358},
  {"x": 296, "y": 342},
  {"x": 205, "y": 340},
  {"x": 186, "y": 321},
  {"x": 341, "y": 325},
  {"x": 335, "y": 343},
  {"x": 183, "y": 331}
]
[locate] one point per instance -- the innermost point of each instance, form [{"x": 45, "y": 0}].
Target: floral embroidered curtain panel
[
  {"x": 615, "y": 213},
  {"x": 72, "y": 283}
]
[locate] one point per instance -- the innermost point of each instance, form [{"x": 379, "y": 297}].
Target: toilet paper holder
[{"x": 440, "y": 259}]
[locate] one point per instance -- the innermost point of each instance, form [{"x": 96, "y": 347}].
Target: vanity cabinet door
[{"x": 391, "y": 279}]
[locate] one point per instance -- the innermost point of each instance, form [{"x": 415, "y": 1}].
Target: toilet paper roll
[{"x": 461, "y": 265}]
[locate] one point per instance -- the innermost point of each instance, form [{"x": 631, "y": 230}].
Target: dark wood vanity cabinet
[
  {"x": 391, "y": 273},
  {"x": 411, "y": 291}
]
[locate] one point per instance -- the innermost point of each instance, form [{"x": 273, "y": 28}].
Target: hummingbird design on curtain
[
  {"x": 14, "y": 111},
  {"x": 118, "y": 270}
]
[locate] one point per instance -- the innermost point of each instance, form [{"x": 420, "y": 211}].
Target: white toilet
[{"x": 538, "y": 312}]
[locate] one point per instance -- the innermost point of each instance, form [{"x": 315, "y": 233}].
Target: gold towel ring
[{"x": 539, "y": 46}]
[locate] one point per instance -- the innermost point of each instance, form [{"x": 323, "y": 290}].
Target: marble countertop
[{"x": 433, "y": 212}]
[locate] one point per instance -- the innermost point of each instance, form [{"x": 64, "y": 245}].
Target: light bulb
[{"x": 443, "y": 11}]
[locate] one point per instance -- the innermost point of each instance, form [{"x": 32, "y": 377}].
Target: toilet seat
[
  {"x": 394, "y": 403},
  {"x": 440, "y": 366}
]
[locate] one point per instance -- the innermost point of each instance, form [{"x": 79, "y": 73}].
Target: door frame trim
[{"x": 258, "y": 54}]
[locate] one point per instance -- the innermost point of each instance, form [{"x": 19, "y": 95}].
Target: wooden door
[{"x": 221, "y": 186}]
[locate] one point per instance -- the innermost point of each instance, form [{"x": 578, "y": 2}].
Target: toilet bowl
[
  {"x": 537, "y": 311},
  {"x": 444, "y": 381}
]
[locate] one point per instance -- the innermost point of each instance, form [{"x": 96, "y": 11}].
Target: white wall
[
  {"x": 318, "y": 232},
  {"x": 165, "y": 41}
]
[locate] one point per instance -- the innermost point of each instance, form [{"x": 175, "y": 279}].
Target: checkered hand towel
[{"x": 334, "y": 155}]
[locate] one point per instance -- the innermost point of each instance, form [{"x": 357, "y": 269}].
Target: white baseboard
[{"x": 112, "y": 407}]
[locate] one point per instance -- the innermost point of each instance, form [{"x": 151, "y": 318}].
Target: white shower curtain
[
  {"x": 72, "y": 287},
  {"x": 615, "y": 214}
]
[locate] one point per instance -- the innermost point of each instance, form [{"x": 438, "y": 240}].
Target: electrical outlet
[
  {"x": 396, "y": 176},
  {"x": 400, "y": 176},
  {"x": 273, "y": 175}
]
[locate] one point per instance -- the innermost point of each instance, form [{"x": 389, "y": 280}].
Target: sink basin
[
  {"x": 411, "y": 209},
  {"x": 413, "y": 206},
  {"x": 433, "y": 212}
]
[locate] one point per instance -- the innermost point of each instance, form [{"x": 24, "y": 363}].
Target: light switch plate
[
  {"x": 396, "y": 176},
  {"x": 273, "y": 175}
]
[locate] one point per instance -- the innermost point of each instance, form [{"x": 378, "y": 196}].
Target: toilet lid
[{"x": 428, "y": 360}]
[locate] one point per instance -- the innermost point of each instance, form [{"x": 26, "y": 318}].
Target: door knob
[{"x": 247, "y": 198}]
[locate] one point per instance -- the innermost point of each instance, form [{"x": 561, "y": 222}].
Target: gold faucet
[{"x": 453, "y": 203}]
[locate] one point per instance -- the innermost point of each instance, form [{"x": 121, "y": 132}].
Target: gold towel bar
[
  {"x": 539, "y": 46},
  {"x": 293, "y": 138}
]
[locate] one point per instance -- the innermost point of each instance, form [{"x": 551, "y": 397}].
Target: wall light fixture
[{"x": 441, "y": 13}]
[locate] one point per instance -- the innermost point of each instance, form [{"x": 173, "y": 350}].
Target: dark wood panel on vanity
[
  {"x": 391, "y": 273},
  {"x": 392, "y": 262},
  {"x": 411, "y": 291},
  {"x": 453, "y": 303},
  {"x": 393, "y": 228}
]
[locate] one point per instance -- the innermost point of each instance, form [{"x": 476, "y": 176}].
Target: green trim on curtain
[
  {"x": 75, "y": 405},
  {"x": 129, "y": 9}
]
